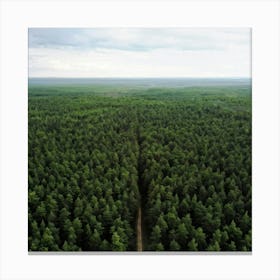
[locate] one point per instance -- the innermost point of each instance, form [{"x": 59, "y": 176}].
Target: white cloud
[{"x": 168, "y": 52}]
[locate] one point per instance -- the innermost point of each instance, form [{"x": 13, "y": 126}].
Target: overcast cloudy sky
[{"x": 139, "y": 52}]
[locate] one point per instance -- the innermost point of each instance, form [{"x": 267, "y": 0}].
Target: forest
[{"x": 97, "y": 155}]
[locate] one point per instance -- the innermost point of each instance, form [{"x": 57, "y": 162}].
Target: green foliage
[
  {"x": 192, "y": 245},
  {"x": 93, "y": 151},
  {"x": 117, "y": 244}
]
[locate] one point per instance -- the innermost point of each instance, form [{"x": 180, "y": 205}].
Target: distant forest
[{"x": 97, "y": 154}]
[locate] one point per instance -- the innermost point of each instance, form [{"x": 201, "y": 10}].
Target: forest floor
[{"x": 139, "y": 230}]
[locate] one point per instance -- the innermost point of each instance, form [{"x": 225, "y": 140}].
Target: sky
[{"x": 139, "y": 52}]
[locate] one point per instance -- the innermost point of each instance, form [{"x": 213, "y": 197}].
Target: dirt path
[{"x": 139, "y": 230}]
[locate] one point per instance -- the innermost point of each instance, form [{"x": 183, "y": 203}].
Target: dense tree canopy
[{"x": 183, "y": 154}]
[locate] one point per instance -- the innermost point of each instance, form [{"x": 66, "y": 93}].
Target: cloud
[
  {"x": 139, "y": 52},
  {"x": 137, "y": 38}
]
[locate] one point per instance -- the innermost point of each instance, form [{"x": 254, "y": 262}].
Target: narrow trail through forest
[
  {"x": 142, "y": 194},
  {"x": 139, "y": 230}
]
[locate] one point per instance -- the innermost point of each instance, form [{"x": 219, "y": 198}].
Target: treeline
[{"x": 91, "y": 157}]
